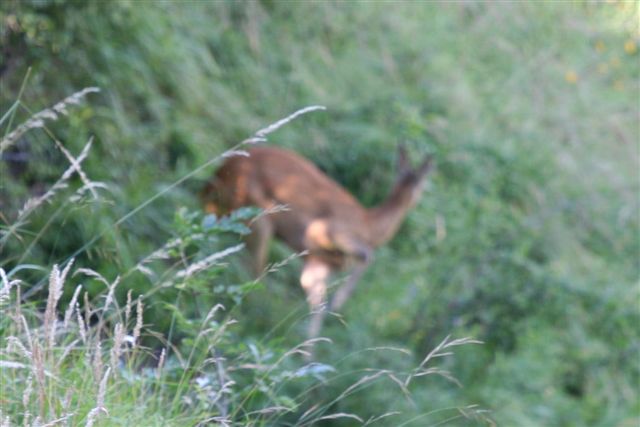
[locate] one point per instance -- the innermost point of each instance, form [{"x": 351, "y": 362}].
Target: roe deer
[{"x": 321, "y": 218}]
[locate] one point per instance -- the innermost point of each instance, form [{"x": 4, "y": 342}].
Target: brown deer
[{"x": 321, "y": 218}]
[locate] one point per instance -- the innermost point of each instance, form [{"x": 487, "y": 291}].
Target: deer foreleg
[
  {"x": 258, "y": 243},
  {"x": 314, "y": 282}
]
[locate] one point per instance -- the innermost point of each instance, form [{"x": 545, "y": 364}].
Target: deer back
[{"x": 317, "y": 210}]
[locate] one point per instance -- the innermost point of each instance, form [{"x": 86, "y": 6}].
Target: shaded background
[{"x": 526, "y": 238}]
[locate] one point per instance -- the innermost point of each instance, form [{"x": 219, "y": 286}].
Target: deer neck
[{"x": 385, "y": 219}]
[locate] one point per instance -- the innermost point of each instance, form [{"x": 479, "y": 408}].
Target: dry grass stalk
[
  {"x": 109, "y": 299},
  {"x": 161, "y": 253},
  {"x": 81, "y": 325},
  {"x": 17, "y": 306},
  {"x": 67, "y": 398},
  {"x": 99, "y": 408},
  {"x": 14, "y": 343},
  {"x": 116, "y": 350},
  {"x": 56, "y": 282},
  {"x": 55, "y": 291},
  {"x": 139, "y": 319},
  {"x": 72, "y": 306},
  {"x": 336, "y": 416},
  {"x": 7, "y": 284},
  {"x": 27, "y": 332},
  {"x": 207, "y": 262},
  {"x": 12, "y": 365},
  {"x": 98, "y": 366},
  {"x": 28, "y": 390},
  {"x": 438, "y": 352},
  {"x": 270, "y": 211},
  {"x": 75, "y": 164},
  {"x": 262, "y": 133},
  {"x": 300, "y": 348},
  {"x": 226, "y": 384},
  {"x": 270, "y": 410},
  {"x": 212, "y": 312},
  {"x": 475, "y": 412},
  {"x": 275, "y": 266},
  {"x": 400, "y": 384},
  {"x": 127, "y": 308},
  {"x": 92, "y": 273},
  {"x": 60, "y": 184},
  {"x": 163, "y": 354},
  {"x": 58, "y": 421},
  {"x": 379, "y": 417},
  {"x": 38, "y": 369},
  {"x": 354, "y": 386},
  {"x": 39, "y": 119},
  {"x": 87, "y": 309},
  {"x": 67, "y": 350},
  {"x": 233, "y": 153}
]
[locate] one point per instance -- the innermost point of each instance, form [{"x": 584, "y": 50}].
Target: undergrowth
[
  {"x": 526, "y": 237},
  {"x": 92, "y": 359}
]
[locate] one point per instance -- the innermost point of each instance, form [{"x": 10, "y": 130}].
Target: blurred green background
[{"x": 527, "y": 237}]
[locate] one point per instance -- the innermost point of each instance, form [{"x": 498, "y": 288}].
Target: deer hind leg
[
  {"x": 258, "y": 243},
  {"x": 362, "y": 255},
  {"x": 344, "y": 291},
  {"x": 315, "y": 274}
]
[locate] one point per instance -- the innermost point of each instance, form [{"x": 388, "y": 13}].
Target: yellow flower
[
  {"x": 603, "y": 67},
  {"x": 394, "y": 315},
  {"x": 571, "y": 77},
  {"x": 599, "y": 46},
  {"x": 618, "y": 85},
  {"x": 630, "y": 46},
  {"x": 615, "y": 62}
]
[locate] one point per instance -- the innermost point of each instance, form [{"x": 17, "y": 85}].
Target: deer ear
[
  {"x": 426, "y": 166},
  {"x": 403, "y": 159}
]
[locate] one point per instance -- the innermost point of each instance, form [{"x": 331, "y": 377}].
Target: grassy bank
[{"x": 527, "y": 238}]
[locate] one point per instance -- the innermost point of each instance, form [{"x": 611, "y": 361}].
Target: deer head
[{"x": 411, "y": 179}]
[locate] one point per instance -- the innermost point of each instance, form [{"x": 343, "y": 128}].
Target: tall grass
[
  {"x": 91, "y": 369},
  {"x": 88, "y": 364},
  {"x": 526, "y": 237}
]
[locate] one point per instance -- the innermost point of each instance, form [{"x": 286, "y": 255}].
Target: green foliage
[{"x": 527, "y": 237}]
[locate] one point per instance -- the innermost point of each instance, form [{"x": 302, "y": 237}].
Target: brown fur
[{"x": 322, "y": 218}]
